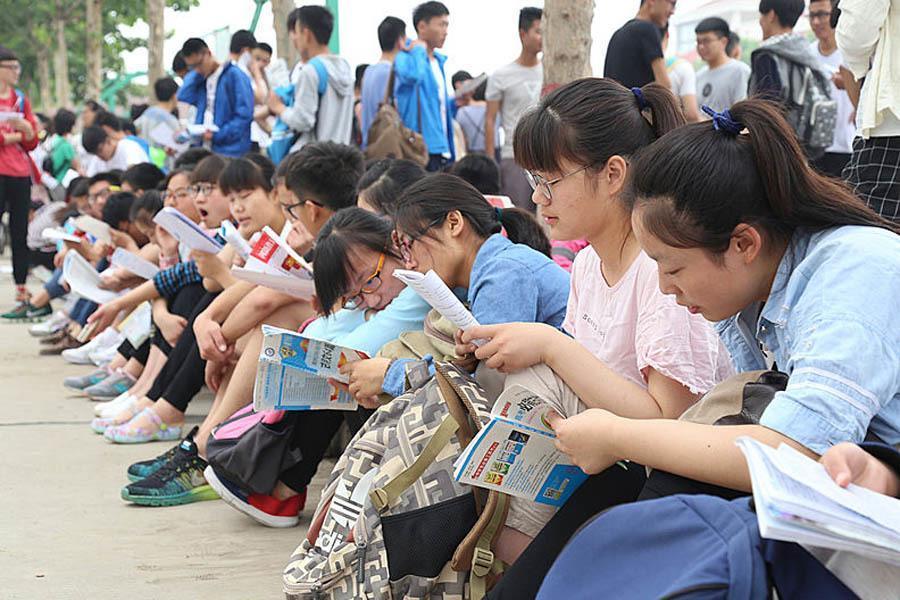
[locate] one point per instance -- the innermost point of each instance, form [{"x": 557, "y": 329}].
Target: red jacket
[{"x": 14, "y": 158}]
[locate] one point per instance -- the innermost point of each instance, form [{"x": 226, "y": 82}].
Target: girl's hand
[
  {"x": 123, "y": 240},
  {"x": 105, "y": 315},
  {"x": 366, "y": 379},
  {"x": 215, "y": 374},
  {"x": 170, "y": 326},
  {"x": 168, "y": 245},
  {"x": 212, "y": 344},
  {"x": 511, "y": 346},
  {"x": 848, "y": 463},
  {"x": 582, "y": 438},
  {"x": 209, "y": 265}
]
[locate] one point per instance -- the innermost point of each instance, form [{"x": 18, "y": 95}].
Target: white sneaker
[
  {"x": 56, "y": 323},
  {"x": 82, "y": 356},
  {"x": 107, "y": 410},
  {"x": 104, "y": 356}
]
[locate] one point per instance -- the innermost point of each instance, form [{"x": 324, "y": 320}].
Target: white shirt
[
  {"x": 517, "y": 88},
  {"x": 845, "y": 126},
  {"x": 441, "y": 82},
  {"x": 128, "y": 152}
]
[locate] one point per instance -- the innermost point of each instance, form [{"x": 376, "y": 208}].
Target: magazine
[
  {"x": 133, "y": 263},
  {"x": 273, "y": 264},
  {"x": 294, "y": 370},
  {"x": 797, "y": 501},
  {"x": 515, "y": 452},
  {"x": 187, "y": 232},
  {"x": 435, "y": 292}
]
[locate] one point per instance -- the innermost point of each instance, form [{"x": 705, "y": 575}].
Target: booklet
[
  {"x": 137, "y": 326},
  {"x": 272, "y": 253},
  {"x": 84, "y": 279},
  {"x": 301, "y": 288},
  {"x": 54, "y": 234},
  {"x": 293, "y": 372},
  {"x": 515, "y": 453},
  {"x": 797, "y": 501},
  {"x": 234, "y": 238},
  {"x": 436, "y": 293},
  {"x": 95, "y": 227},
  {"x": 134, "y": 263},
  {"x": 186, "y": 231}
]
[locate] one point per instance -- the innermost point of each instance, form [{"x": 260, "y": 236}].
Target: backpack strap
[
  {"x": 474, "y": 552},
  {"x": 322, "y": 72},
  {"x": 389, "y": 89}
]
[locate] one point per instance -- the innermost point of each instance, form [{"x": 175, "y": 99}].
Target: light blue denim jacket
[
  {"x": 833, "y": 325},
  {"x": 509, "y": 283}
]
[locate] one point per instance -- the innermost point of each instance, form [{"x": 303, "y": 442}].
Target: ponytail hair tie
[
  {"x": 498, "y": 212},
  {"x": 723, "y": 121},
  {"x": 639, "y": 94}
]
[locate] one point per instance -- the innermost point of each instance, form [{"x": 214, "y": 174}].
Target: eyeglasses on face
[
  {"x": 538, "y": 181},
  {"x": 292, "y": 209},
  {"x": 404, "y": 241},
  {"x": 201, "y": 188},
  {"x": 370, "y": 286},
  {"x": 180, "y": 193}
]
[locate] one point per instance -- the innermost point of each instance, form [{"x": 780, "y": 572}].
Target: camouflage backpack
[{"x": 392, "y": 521}]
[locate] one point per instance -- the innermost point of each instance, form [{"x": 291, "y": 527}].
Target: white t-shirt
[
  {"x": 683, "y": 78},
  {"x": 128, "y": 152},
  {"x": 845, "y": 127},
  {"x": 211, "y": 82},
  {"x": 441, "y": 82},
  {"x": 721, "y": 87},
  {"x": 517, "y": 88}
]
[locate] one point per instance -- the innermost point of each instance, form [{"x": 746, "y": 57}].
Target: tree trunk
[
  {"x": 155, "y": 19},
  {"x": 43, "y": 73},
  {"x": 94, "y": 50},
  {"x": 566, "y": 30},
  {"x": 61, "y": 59},
  {"x": 284, "y": 48}
]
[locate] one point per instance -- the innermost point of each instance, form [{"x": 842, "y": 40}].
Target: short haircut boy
[
  {"x": 64, "y": 121},
  {"x": 480, "y": 170},
  {"x": 118, "y": 208},
  {"x": 241, "y": 40},
  {"x": 317, "y": 19},
  {"x": 529, "y": 15},
  {"x": 193, "y": 46},
  {"x": 165, "y": 88},
  {"x": 714, "y": 25},
  {"x": 787, "y": 11},
  {"x": 427, "y": 11},
  {"x": 143, "y": 176},
  {"x": 390, "y": 30},
  {"x": 92, "y": 138},
  {"x": 327, "y": 171}
]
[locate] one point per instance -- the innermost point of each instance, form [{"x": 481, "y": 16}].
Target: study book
[
  {"x": 133, "y": 263},
  {"x": 797, "y": 501},
  {"x": 435, "y": 292},
  {"x": 273, "y": 264},
  {"x": 515, "y": 452},
  {"x": 293, "y": 372},
  {"x": 186, "y": 231}
]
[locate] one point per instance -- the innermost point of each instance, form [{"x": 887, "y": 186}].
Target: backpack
[
  {"x": 392, "y": 521},
  {"x": 388, "y": 137},
  {"x": 685, "y": 547},
  {"x": 283, "y": 137},
  {"x": 809, "y": 107}
]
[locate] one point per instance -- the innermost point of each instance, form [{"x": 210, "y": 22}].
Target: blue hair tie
[
  {"x": 639, "y": 94},
  {"x": 498, "y": 212},
  {"x": 723, "y": 121}
]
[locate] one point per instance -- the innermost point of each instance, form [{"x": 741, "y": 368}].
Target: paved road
[{"x": 65, "y": 533}]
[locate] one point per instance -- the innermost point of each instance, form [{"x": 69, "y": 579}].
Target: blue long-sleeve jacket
[
  {"x": 233, "y": 110},
  {"x": 414, "y": 85}
]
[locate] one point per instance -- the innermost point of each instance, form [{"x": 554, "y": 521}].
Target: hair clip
[
  {"x": 498, "y": 212},
  {"x": 639, "y": 94},
  {"x": 723, "y": 121}
]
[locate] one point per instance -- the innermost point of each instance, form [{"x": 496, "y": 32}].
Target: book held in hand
[
  {"x": 294, "y": 370},
  {"x": 186, "y": 231},
  {"x": 515, "y": 452},
  {"x": 273, "y": 264}
]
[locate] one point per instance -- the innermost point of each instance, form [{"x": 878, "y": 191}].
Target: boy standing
[{"x": 724, "y": 80}]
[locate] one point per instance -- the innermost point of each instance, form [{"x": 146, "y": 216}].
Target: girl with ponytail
[
  {"x": 630, "y": 349},
  {"x": 788, "y": 261}
]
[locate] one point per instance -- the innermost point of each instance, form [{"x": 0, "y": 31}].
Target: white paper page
[
  {"x": 295, "y": 286},
  {"x": 234, "y": 238},
  {"x": 198, "y": 129},
  {"x": 186, "y": 231},
  {"x": 51, "y": 233},
  {"x": 471, "y": 85},
  {"x": 436, "y": 293},
  {"x": 134, "y": 263},
  {"x": 95, "y": 227},
  {"x": 522, "y": 405},
  {"x": 137, "y": 326},
  {"x": 84, "y": 279}
]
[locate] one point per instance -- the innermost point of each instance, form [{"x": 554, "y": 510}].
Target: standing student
[
  {"x": 511, "y": 90},
  {"x": 837, "y": 155},
  {"x": 322, "y": 110},
  {"x": 17, "y": 139},
  {"x": 734, "y": 49},
  {"x": 391, "y": 39},
  {"x": 723, "y": 81},
  {"x": 222, "y": 95},
  {"x": 158, "y": 124},
  {"x": 684, "y": 82},
  {"x": 634, "y": 56},
  {"x": 423, "y": 95},
  {"x": 471, "y": 112},
  {"x": 874, "y": 169},
  {"x": 625, "y": 346}
]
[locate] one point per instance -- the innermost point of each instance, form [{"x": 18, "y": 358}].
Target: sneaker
[
  {"x": 56, "y": 323},
  {"x": 111, "y": 387},
  {"x": 104, "y": 356},
  {"x": 18, "y": 314},
  {"x": 178, "y": 481},
  {"x": 146, "y": 468},
  {"x": 81, "y": 382},
  {"x": 130, "y": 433},
  {"x": 81, "y": 356},
  {"x": 265, "y": 509},
  {"x": 36, "y": 315},
  {"x": 114, "y": 406}
]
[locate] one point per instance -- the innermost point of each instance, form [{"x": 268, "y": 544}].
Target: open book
[
  {"x": 95, "y": 227},
  {"x": 228, "y": 231},
  {"x": 56, "y": 235},
  {"x": 796, "y": 501},
  {"x": 133, "y": 263},
  {"x": 273, "y": 264},
  {"x": 137, "y": 326},
  {"x": 84, "y": 279},
  {"x": 186, "y": 231},
  {"x": 294, "y": 370},
  {"x": 435, "y": 292},
  {"x": 515, "y": 452}
]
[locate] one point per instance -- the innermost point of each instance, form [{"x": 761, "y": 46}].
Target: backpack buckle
[{"x": 482, "y": 562}]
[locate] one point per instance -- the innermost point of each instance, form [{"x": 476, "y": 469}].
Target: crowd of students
[{"x": 707, "y": 249}]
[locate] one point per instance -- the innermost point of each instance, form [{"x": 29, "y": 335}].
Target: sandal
[{"x": 131, "y": 433}]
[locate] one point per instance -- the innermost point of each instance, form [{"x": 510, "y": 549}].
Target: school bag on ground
[
  {"x": 392, "y": 522},
  {"x": 388, "y": 137},
  {"x": 283, "y": 137},
  {"x": 685, "y": 547}
]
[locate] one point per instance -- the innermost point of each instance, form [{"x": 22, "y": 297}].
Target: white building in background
[{"x": 742, "y": 17}]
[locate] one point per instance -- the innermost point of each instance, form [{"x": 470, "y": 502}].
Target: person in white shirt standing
[
  {"x": 510, "y": 91},
  {"x": 683, "y": 80},
  {"x": 825, "y": 49},
  {"x": 867, "y": 34},
  {"x": 723, "y": 82}
]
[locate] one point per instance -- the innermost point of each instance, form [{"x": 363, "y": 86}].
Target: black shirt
[{"x": 631, "y": 51}]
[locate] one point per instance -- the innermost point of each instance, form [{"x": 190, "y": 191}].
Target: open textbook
[
  {"x": 84, "y": 279},
  {"x": 796, "y": 501},
  {"x": 273, "y": 264},
  {"x": 294, "y": 370},
  {"x": 133, "y": 263},
  {"x": 56, "y": 235},
  {"x": 186, "y": 231},
  {"x": 95, "y": 227},
  {"x": 515, "y": 452},
  {"x": 137, "y": 326},
  {"x": 435, "y": 292}
]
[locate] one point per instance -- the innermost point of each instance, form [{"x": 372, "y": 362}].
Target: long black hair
[
  {"x": 244, "y": 174},
  {"x": 426, "y": 203},
  {"x": 347, "y": 228},
  {"x": 696, "y": 184}
]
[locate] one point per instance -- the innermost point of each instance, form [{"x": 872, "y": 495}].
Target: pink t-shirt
[{"x": 632, "y": 326}]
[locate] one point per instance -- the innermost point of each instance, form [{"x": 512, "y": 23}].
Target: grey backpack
[{"x": 392, "y": 521}]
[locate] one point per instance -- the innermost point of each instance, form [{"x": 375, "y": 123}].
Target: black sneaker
[
  {"x": 146, "y": 468},
  {"x": 178, "y": 481}
]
